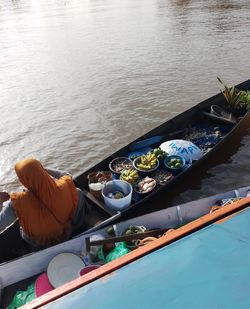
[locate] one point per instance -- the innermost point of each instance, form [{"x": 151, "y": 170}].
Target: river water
[{"x": 80, "y": 79}]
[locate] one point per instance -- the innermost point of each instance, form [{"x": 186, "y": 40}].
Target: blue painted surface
[{"x": 208, "y": 269}]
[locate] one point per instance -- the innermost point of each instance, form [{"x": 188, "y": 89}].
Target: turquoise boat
[{"x": 203, "y": 264}]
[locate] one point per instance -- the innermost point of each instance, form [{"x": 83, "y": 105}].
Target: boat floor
[
  {"x": 12, "y": 236},
  {"x": 9, "y": 292},
  {"x": 195, "y": 131}
]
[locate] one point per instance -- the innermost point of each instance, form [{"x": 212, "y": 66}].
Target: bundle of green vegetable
[{"x": 159, "y": 153}]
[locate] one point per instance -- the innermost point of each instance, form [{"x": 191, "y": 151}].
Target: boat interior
[{"x": 181, "y": 128}]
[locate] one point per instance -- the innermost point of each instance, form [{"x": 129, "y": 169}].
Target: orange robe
[{"x": 46, "y": 208}]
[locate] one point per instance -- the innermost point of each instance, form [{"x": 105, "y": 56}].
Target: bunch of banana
[
  {"x": 131, "y": 175},
  {"x": 147, "y": 161}
]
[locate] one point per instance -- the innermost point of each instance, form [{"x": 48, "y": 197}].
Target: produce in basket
[
  {"x": 130, "y": 175},
  {"x": 146, "y": 162},
  {"x": 146, "y": 185}
]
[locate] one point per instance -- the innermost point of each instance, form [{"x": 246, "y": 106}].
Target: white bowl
[{"x": 117, "y": 186}]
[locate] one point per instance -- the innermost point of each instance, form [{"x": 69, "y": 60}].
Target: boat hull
[
  {"x": 226, "y": 146},
  {"x": 171, "y": 273},
  {"x": 172, "y": 217}
]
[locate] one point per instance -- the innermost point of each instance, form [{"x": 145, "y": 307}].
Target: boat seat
[{"x": 218, "y": 113}]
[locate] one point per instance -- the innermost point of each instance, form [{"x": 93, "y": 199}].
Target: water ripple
[{"x": 80, "y": 79}]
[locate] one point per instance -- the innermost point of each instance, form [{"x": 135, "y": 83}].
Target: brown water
[{"x": 79, "y": 79}]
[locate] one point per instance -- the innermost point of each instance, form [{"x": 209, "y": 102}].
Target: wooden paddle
[{"x": 129, "y": 237}]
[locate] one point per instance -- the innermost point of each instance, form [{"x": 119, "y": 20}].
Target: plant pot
[{"x": 237, "y": 111}]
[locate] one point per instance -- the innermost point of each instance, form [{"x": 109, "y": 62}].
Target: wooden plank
[
  {"x": 97, "y": 202},
  {"x": 134, "y": 236}
]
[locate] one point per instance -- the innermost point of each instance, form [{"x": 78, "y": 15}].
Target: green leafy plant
[
  {"x": 245, "y": 99},
  {"x": 232, "y": 95},
  {"x": 236, "y": 98}
]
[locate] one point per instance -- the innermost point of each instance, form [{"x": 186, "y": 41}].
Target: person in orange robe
[{"x": 48, "y": 209}]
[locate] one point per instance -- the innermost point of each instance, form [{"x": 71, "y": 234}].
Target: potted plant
[{"x": 235, "y": 99}]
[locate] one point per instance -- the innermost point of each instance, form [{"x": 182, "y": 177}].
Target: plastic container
[
  {"x": 88, "y": 269},
  {"x": 117, "y": 186},
  {"x": 94, "y": 249},
  {"x": 96, "y": 182},
  {"x": 100, "y": 176},
  {"x": 174, "y": 170},
  {"x": 42, "y": 285},
  {"x": 96, "y": 189}
]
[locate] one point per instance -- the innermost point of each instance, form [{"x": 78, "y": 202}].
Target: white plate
[{"x": 63, "y": 268}]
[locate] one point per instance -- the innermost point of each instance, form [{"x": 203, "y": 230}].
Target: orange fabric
[{"x": 45, "y": 209}]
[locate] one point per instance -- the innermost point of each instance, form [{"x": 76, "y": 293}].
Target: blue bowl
[
  {"x": 174, "y": 170},
  {"x": 134, "y": 155}
]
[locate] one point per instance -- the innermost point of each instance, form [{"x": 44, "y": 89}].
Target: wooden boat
[
  {"x": 207, "y": 249},
  {"x": 172, "y": 129},
  {"x": 98, "y": 215},
  {"x": 17, "y": 274}
]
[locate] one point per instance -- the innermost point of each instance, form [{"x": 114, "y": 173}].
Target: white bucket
[{"x": 120, "y": 186}]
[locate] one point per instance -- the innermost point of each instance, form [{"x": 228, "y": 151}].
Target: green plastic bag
[
  {"x": 120, "y": 250},
  {"x": 23, "y": 297}
]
